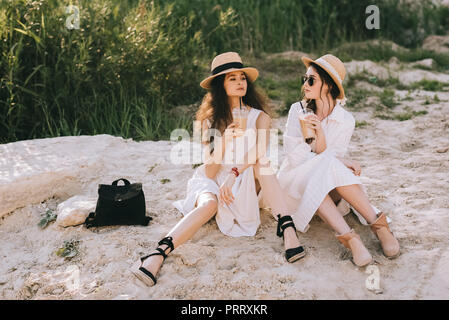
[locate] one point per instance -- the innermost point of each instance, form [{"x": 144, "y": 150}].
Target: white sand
[{"x": 404, "y": 168}]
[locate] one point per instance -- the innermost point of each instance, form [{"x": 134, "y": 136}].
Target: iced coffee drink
[{"x": 307, "y": 132}]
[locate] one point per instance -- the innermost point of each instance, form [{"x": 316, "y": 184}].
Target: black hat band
[{"x": 226, "y": 66}]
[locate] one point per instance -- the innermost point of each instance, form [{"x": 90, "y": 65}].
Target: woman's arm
[
  {"x": 259, "y": 150},
  {"x": 351, "y": 164},
  {"x": 315, "y": 124},
  {"x": 320, "y": 140},
  {"x": 295, "y": 148},
  {"x": 214, "y": 160},
  {"x": 339, "y": 135},
  {"x": 263, "y": 124}
]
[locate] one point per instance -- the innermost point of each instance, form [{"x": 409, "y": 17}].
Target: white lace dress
[{"x": 241, "y": 217}]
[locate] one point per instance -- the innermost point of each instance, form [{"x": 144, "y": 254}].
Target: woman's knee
[
  {"x": 326, "y": 205},
  {"x": 209, "y": 203}
]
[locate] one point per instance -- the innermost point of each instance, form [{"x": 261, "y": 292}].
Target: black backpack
[{"x": 119, "y": 205}]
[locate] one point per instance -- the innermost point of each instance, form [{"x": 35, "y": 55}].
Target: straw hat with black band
[
  {"x": 225, "y": 63},
  {"x": 333, "y": 66}
]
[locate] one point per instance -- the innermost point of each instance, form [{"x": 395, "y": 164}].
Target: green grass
[
  {"x": 361, "y": 124},
  {"x": 388, "y": 99},
  {"x": 430, "y": 85},
  {"x": 356, "y": 97},
  {"x": 408, "y": 115},
  {"x": 120, "y": 73},
  {"x": 425, "y": 84},
  {"x": 132, "y": 61},
  {"x": 382, "y": 51},
  {"x": 400, "y": 116},
  {"x": 435, "y": 99},
  {"x": 288, "y": 91},
  {"x": 427, "y": 68},
  {"x": 365, "y": 76}
]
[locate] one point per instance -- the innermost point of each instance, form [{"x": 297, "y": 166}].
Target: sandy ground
[{"x": 405, "y": 170}]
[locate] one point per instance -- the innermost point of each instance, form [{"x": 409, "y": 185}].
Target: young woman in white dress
[
  {"x": 227, "y": 184},
  {"x": 316, "y": 176}
]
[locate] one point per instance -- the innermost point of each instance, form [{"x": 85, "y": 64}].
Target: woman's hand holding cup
[
  {"x": 313, "y": 122},
  {"x": 232, "y": 131}
]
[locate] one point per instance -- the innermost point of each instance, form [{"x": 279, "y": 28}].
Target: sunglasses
[{"x": 309, "y": 80}]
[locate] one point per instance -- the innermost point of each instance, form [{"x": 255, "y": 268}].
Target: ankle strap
[
  {"x": 167, "y": 241},
  {"x": 159, "y": 252},
  {"x": 282, "y": 225}
]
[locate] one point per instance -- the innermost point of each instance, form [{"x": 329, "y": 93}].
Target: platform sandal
[
  {"x": 292, "y": 254},
  {"x": 143, "y": 274}
]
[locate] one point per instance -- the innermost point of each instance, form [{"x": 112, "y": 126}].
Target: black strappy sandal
[
  {"x": 292, "y": 254},
  {"x": 143, "y": 274}
]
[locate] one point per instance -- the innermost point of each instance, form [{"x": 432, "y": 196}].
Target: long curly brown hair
[{"x": 216, "y": 108}]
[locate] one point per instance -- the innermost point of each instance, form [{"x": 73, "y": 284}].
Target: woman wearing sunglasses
[{"x": 316, "y": 176}]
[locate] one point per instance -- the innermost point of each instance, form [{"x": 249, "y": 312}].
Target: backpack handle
[{"x": 126, "y": 182}]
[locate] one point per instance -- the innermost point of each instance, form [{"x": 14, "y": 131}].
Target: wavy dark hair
[
  {"x": 325, "y": 78},
  {"x": 215, "y": 104}
]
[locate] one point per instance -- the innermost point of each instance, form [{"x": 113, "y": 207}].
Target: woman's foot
[
  {"x": 390, "y": 245},
  {"x": 153, "y": 263},
  {"x": 286, "y": 229},
  {"x": 360, "y": 255},
  {"x": 147, "y": 267},
  {"x": 290, "y": 239}
]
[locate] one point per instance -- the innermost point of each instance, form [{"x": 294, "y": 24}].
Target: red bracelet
[{"x": 235, "y": 171}]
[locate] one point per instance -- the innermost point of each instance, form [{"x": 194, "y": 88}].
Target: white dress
[
  {"x": 241, "y": 217},
  {"x": 307, "y": 177}
]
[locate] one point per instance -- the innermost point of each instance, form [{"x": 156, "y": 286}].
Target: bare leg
[
  {"x": 358, "y": 199},
  {"x": 186, "y": 228},
  {"x": 335, "y": 196},
  {"x": 272, "y": 192},
  {"x": 329, "y": 213}
]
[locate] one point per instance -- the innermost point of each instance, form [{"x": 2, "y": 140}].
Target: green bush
[
  {"x": 132, "y": 61},
  {"x": 125, "y": 63}
]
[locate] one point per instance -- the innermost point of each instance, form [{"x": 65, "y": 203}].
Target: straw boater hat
[
  {"x": 225, "y": 63},
  {"x": 333, "y": 66}
]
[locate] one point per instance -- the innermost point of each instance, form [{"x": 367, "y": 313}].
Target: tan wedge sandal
[
  {"x": 389, "y": 243},
  {"x": 360, "y": 255}
]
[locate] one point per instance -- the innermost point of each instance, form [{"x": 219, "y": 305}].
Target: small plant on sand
[
  {"x": 358, "y": 97},
  {"x": 69, "y": 249},
  {"x": 152, "y": 167},
  {"x": 430, "y": 85},
  {"x": 408, "y": 115},
  {"x": 403, "y": 116},
  {"x": 46, "y": 218},
  {"x": 387, "y": 97},
  {"x": 164, "y": 181}
]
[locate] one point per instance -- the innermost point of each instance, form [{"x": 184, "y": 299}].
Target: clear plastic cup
[
  {"x": 240, "y": 117},
  {"x": 307, "y": 132}
]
